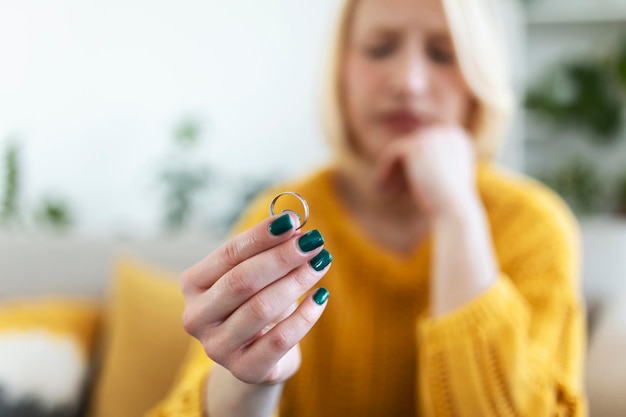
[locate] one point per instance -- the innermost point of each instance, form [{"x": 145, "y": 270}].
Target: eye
[
  {"x": 442, "y": 55},
  {"x": 381, "y": 51}
]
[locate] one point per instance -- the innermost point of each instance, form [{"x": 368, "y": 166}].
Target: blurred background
[
  {"x": 108, "y": 109},
  {"x": 146, "y": 126},
  {"x": 131, "y": 118}
]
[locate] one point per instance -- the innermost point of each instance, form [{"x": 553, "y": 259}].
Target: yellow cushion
[
  {"x": 145, "y": 342},
  {"x": 45, "y": 347}
]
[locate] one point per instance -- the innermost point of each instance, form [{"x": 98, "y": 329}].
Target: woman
[{"x": 454, "y": 285}]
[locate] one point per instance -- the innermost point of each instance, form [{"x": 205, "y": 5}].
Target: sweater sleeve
[{"x": 517, "y": 349}]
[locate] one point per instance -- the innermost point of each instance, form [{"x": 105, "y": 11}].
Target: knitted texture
[{"x": 516, "y": 350}]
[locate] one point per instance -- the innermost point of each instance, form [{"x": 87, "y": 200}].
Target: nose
[{"x": 410, "y": 72}]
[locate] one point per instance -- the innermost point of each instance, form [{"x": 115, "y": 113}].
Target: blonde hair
[{"x": 474, "y": 30}]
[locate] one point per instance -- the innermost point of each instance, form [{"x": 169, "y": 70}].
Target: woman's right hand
[{"x": 242, "y": 299}]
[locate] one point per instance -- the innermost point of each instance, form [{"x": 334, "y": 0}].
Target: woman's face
[{"x": 400, "y": 73}]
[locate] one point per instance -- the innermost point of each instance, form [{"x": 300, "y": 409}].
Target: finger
[
  {"x": 261, "y": 237},
  {"x": 265, "y": 353},
  {"x": 258, "y": 314},
  {"x": 251, "y": 276}
]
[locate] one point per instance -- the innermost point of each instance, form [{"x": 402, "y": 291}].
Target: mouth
[{"x": 403, "y": 121}]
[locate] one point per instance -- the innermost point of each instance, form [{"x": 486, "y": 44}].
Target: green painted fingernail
[
  {"x": 310, "y": 241},
  {"x": 291, "y": 211},
  {"x": 320, "y": 296},
  {"x": 281, "y": 225},
  {"x": 321, "y": 260}
]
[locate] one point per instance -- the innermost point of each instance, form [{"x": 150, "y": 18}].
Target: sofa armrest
[{"x": 606, "y": 367}]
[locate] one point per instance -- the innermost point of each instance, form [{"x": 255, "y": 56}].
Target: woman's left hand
[{"x": 437, "y": 166}]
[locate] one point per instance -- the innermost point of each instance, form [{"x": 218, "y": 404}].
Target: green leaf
[
  {"x": 55, "y": 213},
  {"x": 10, "y": 195},
  {"x": 187, "y": 134}
]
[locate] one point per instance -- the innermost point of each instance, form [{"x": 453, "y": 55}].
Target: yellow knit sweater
[{"x": 516, "y": 350}]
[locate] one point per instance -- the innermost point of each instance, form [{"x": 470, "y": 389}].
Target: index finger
[{"x": 259, "y": 238}]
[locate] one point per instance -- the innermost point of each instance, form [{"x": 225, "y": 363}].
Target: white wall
[{"x": 94, "y": 89}]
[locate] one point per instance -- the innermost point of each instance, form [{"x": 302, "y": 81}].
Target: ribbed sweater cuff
[{"x": 481, "y": 316}]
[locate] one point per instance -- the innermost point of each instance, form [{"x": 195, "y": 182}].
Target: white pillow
[{"x": 45, "y": 350}]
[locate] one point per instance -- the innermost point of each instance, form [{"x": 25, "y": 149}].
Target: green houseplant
[
  {"x": 52, "y": 214},
  {"x": 9, "y": 210},
  {"x": 588, "y": 94}
]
